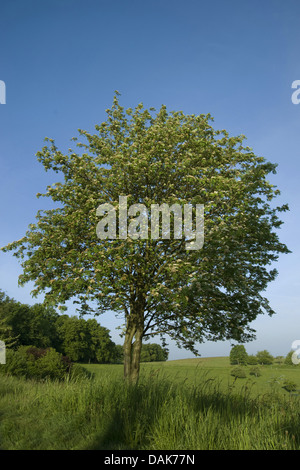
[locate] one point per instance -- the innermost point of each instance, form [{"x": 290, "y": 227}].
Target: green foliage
[
  {"x": 264, "y": 357},
  {"x": 16, "y": 364},
  {"x": 238, "y": 373},
  {"x": 252, "y": 360},
  {"x": 6, "y": 330},
  {"x": 85, "y": 340},
  {"x": 29, "y": 324},
  {"x": 153, "y": 352},
  {"x": 119, "y": 354},
  {"x": 35, "y": 363},
  {"x": 289, "y": 385},
  {"x": 238, "y": 355},
  {"x": 279, "y": 359},
  {"x": 288, "y": 359},
  {"x": 39, "y": 325},
  {"x": 255, "y": 371},
  {"x": 49, "y": 365}
]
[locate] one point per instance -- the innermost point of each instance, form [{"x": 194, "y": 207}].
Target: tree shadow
[{"x": 135, "y": 414}]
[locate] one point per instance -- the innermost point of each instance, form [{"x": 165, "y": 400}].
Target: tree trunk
[
  {"x": 136, "y": 356},
  {"x": 132, "y": 350},
  {"x": 129, "y": 335}
]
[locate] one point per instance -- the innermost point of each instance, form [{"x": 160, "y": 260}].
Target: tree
[
  {"x": 158, "y": 285},
  {"x": 118, "y": 354},
  {"x": 288, "y": 359},
  {"x": 153, "y": 352},
  {"x": 279, "y": 359},
  {"x": 73, "y": 339},
  {"x": 29, "y": 325},
  {"x": 6, "y": 331},
  {"x": 252, "y": 360},
  {"x": 102, "y": 348},
  {"x": 84, "y": 340},
  {"x": 264, "y": 357},
  {"x": 238, "y": 355}
]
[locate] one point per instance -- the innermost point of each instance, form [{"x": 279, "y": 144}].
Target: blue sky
[{"x": 61, "y": 61}]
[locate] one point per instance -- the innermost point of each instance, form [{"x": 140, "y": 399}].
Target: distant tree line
[
  {"x": 239, "y": 356},
  {"x": 79, "y": 339}
]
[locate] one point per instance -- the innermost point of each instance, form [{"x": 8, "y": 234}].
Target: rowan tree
[{"x": 157, "y": 285}]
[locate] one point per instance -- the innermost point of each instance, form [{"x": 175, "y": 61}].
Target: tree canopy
[
  {"x": 238, "y": 355},
  {"x": 43, "y": 327},
  {"x": 153, "y": 352},
  {"x": 85, "y": 340},
  {"x": 156, "y": 284}
]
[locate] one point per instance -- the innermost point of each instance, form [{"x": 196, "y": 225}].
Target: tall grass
[{"x": 156, "y": 414}]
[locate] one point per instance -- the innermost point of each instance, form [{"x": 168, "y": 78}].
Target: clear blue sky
[{"x": 61, "y": 61}]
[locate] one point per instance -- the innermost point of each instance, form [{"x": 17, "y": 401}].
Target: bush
[
  {"x": 49, "y": 365},
  {"x": 32, "y": 352},
  {"x": 16, "y": 364},
  {"x": 255, "y": 371},
  {"x": 238, "y": 373},
  {"x": 289, "y": 385},
  {"x": 37, "y": 363}
]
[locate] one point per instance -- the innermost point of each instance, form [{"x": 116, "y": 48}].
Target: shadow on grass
[
  {"x": 157, "y": 404},
  {"x": 132, "y": 412}
]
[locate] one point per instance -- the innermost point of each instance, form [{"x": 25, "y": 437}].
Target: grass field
[{"x": 178, "y": 405}]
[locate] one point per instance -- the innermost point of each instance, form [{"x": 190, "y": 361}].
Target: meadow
[{"x": 192, "y": 404}]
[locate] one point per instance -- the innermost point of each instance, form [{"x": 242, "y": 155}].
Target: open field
[
  {"x": 179, "y": 405},
  {"x": 195, "y": 371}
]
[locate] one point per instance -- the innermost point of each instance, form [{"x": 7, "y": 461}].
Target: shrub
[
  {"x": 16, "y": 364},
  {"x": 255, "y": 371},
  {"x": 50, "y": 365},
  {"x": 33, "y": 353},
  {"x": 238, "y": 373},
  {"x": 32, "y": 362},
  {"x": 289, "y": 385}
]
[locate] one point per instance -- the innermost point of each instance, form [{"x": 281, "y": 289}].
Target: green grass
[{"x": 178, "y": 405}]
